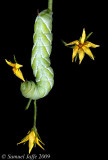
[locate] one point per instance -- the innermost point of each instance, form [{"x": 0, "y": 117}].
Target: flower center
[{"x": 80, "y": 45}]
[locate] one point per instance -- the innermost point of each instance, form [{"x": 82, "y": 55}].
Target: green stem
[
  {"x": 50, "y": 4},
  {"x": 15, "y": 59},
  {"x": 34, "y": 113}
]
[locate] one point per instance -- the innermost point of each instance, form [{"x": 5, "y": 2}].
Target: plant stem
[
  {"x": 50, "y": 4},
  {"x": 35, "y": 113}
]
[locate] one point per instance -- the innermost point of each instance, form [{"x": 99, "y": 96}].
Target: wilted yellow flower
[
  {"x": 16, "y": 69},
  {"x": 33, "y": 138},
  {"x": 82, "y": 47}
]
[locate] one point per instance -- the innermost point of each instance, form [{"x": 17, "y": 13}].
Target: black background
[{"x": 72, "y": 119}]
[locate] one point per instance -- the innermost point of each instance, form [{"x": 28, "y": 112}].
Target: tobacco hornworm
[{"x": 40, "y": 60}]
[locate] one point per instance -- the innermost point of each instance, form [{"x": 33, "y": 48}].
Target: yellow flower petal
[
  {"x": 41, "y": 141},
  {"x": 37, "y": 141},
  {"x": 89, "y": 44},
  {"x": 18, "y": 65},
  {"x": 18, "y": 73},
  {"x": 74, "y": 42},
  {"x": 83, "y": 36},
  {"x": 81, "y": 55},
  {"x": 31, "y": 145},
  {"x": 75, "y": 50},
  {"x": 24, "y": 140},
  {"x": 88, "y": 52},
  {"x": 10, "y": 63},
  {"x": 31, "y": 140}
]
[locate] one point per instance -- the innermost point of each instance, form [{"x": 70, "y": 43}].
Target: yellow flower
[
  {"x": 16, "y": 69},
  {"x": 82, "y": 47},
  {"x": 33, "y": 138}
]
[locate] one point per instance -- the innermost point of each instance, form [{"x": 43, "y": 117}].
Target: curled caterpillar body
[{"x": 40, "y": 60}]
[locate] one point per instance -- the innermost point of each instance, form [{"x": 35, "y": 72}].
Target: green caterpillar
[{"x": 40, "y": 60}]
